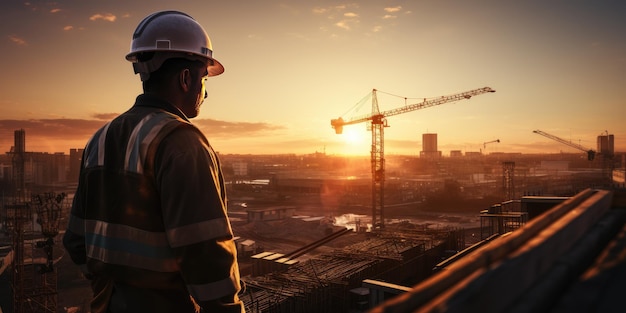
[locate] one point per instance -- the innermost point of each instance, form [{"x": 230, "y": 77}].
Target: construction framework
[
  {"x": 34, "y": 278},
  {"x": 508, "y": 180}
]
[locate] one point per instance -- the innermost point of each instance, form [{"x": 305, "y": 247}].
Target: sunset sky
[{"x": 291, "y": 66}]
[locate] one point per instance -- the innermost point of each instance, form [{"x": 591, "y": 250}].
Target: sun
[
  {"x": 354, "y": 136},
  {"x": 352, "y": 141}
]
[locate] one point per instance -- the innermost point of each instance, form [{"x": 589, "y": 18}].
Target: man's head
[
  {"x": 173, "y": 55},
  {"x": 170, "y": 34},
  {"x": 181, "y": 82}
]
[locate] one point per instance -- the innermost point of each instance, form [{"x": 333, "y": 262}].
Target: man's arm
[
  {"x": 74, "y": 237},
  {"x": 194, "y": 211}
]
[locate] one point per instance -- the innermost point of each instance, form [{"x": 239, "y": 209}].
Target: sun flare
[{"x": 354, "y": 137}]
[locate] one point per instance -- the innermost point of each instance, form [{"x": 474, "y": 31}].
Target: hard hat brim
[{"x": 216, "y": 68}]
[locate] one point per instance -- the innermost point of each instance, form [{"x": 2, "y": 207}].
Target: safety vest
[
  {"x": 120, "y": 229},
  {"x": 124, "y": 234}
]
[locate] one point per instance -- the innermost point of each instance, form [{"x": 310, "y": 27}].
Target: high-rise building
[
  {"x": 429, "y": 146},
  {"x": 19, "y": 152},
  {"x": 606, "y": 144},
  {"x": 76, "y": 156},
  {"x": 19, "y": 141}
]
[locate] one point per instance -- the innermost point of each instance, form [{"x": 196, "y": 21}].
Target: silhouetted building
[
  {"x": 18, "y": 155},
  {"x": 33, "y": 170},
  {"x": 606, "y": 144},
  {"x": 456, "y": 153},
  {"x": 429, "y": 146},
  {"x": 76, "y": 156}
]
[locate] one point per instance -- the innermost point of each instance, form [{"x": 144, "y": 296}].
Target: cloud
[
  {"x": 344, "y": 16},
  {"x": 72, "y": 128},
  {"x": 52, "y": 128},
  {"x": 17, "y": 40},
  {"x": 343, "y": 24},
  {"x": 225, "y": 129},
  {"x": 106, "y": 17},
  {"x": 351, "y": 19},
  {"x": 393, "y": 9},
  {"x": 56, "y": 10},
  {"x": 105, "y": 116},
  {"x": 68, "y": 27},
  {"x": 62, "y": 134}
]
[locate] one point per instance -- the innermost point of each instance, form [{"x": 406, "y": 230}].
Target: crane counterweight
[{"x": 337, "y": 124}]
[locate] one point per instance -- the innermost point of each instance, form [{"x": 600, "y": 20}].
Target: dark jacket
[{"x": 149, "y": 216}]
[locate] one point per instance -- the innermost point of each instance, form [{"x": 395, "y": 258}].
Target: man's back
[{"x": 149, "y": 221}]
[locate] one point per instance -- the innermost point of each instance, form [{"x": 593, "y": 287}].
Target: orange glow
[
  {"x": 354, "y": 137},
  {"x": 354, "y": 140},
  {"x": 282, "y": 86}
]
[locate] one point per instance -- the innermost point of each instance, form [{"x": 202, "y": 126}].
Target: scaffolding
[
  {"x": 508, "y": 180},
  {"x": 496, "y": 221},
  {"x": 33, "y": 227},
  {"x": 332, "y": 282}
]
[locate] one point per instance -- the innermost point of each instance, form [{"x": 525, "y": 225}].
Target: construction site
[{"x": 320, "y": 233}]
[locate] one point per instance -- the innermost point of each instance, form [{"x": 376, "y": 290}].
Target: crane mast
[
  {"x": 590, "y": 152},
  {"x": 378, "y": 122}
]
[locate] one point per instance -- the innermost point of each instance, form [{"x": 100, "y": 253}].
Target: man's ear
[{"x": 185, "y": 79}]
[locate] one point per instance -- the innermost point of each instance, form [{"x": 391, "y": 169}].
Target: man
[{"x": 148, "y": 223}]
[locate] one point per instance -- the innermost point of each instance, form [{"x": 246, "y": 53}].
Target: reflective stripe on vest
[
  {"x": 129, "y": 246},
  {"x": 136, "y": 149},
  {"x": 94, "y": 154},
  {"x": 140, "y": 140},
  {"x": 121, "y": 244}
]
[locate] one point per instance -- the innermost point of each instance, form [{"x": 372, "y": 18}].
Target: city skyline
[
  {"x": 291, "y": 67},
  {"x": 428, "y": 149}
]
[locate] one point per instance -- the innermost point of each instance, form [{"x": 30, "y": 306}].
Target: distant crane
[
  {"x": 485, "y": 143},
  {"x": 591, "y": 154},
  {"x": 378, "y": 120}
]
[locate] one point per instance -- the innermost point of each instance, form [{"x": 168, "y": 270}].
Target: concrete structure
[
  {"x": 568, "y": 259},
  {"x": 330, "y": 282}
]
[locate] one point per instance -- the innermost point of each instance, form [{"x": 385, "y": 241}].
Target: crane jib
[{"x": 411, "y": 107}]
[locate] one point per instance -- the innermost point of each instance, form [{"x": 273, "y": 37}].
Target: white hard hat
[{"x": 171, "y": 34}]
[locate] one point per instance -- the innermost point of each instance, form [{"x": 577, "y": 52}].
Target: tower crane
[
  {"x": 486, "y": 142},
  {"x": 590, "y": 152},
  {"x": 378, "y": 121}
]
